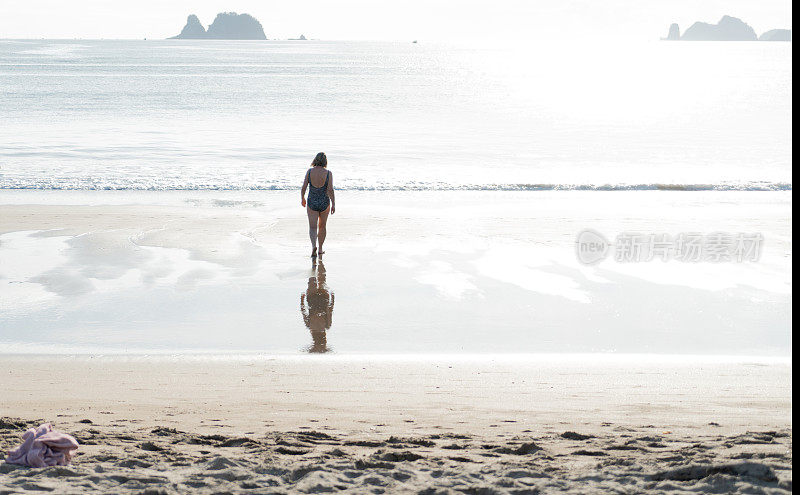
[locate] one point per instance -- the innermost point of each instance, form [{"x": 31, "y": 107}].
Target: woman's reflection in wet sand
[{"x": 316, "y": 306}]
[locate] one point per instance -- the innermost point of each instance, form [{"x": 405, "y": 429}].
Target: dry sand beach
[{"x": 404, "y": 425}]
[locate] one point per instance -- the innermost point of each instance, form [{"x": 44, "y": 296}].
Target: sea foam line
[{"x": 753, "y": 186}]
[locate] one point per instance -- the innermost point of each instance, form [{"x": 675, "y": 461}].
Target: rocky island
[
  {"x": 226, "y": 26},
  {"x": 727, "y": 29},
  {"x": 776, "y": 35}
]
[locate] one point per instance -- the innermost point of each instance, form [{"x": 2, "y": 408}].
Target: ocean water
[
  {"x": 251, "y": 115},
  {"x": 95, "y": 256}
]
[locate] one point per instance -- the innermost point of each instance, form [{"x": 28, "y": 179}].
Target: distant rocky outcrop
[
  {"x": 226, "y": 26},
  {"x": 674, "y": 33},
  {"x": 727, "y": 29},
  {"x": 193, "y": 29},
  {"x": 776, "y": 35},
  {"x": 233, "y": 26}
]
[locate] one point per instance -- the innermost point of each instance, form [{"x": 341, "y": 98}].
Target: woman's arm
[
  {"x": 303, "y": 191},
  {"x": 331, "y": 194}
]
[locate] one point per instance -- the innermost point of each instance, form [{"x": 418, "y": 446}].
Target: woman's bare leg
[
  {"x": 323, "y": 220},
  {"x": 313, "y": 219}
]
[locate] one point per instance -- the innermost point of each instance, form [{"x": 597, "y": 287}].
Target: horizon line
[{"x": 145, "y": 38}]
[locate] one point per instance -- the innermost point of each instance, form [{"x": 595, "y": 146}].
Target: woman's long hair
[{"x": 320, "y": 160}]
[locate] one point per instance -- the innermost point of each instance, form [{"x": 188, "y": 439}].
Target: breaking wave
[{"x": 153, "y": 186}]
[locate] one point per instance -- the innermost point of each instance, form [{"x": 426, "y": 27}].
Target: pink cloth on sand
[{"x": 42, "y": 447}]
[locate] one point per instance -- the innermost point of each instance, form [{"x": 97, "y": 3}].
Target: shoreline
[
  {"x": 597, "y": 358},
  {"x": 766, "y": 187}
]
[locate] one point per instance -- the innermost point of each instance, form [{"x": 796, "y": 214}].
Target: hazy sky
[{"x": 432, "y": 20}]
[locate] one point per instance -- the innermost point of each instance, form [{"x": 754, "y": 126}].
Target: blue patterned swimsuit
[{"x": 318, "y": 196}]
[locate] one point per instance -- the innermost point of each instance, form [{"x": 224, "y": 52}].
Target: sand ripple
[{"x": 165, "y": 460}]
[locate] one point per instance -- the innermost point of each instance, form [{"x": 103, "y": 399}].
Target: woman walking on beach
[{"x": 321, "y": 201}]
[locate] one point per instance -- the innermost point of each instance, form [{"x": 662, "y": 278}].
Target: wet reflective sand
[{"x": 444, "y": 272}]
